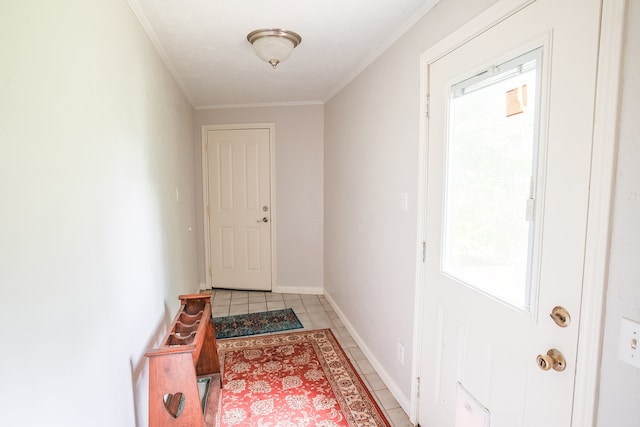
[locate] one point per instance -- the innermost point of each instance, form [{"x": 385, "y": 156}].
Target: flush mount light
[{"x": 273, "y": 45}]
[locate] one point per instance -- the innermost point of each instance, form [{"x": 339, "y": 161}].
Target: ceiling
[{"x": 204, "y": 45}]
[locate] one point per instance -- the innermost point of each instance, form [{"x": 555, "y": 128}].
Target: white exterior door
[
  {"x": 509, "y": 151},
  {"x": 238, "y": 190}
]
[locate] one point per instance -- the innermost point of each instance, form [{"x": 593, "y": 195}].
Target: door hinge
[
  {"x": 424, "y": 252},
  {"x": 427, "y": 102},
  {"x": 417, "y": 392}
]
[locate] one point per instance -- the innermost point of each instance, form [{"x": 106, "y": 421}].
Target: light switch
[{"x": 629, "y": 337}]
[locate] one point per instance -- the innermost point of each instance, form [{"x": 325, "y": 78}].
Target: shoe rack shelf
[{"x": 188, "y": 353}]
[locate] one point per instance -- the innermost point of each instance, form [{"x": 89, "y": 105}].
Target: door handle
[
  {"x": 553, "y": 359},
  {"x": 264, "y": 219}
]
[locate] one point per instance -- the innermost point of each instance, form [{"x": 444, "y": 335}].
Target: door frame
[
  {"x": 603, "y": 164},
  {"x": 205, "y": 193}
]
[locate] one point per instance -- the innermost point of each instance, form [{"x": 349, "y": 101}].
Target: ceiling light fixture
[{"x": 273, "y": 45}]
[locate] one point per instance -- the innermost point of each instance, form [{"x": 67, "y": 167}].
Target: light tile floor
[{"x": 315, "y": 313}]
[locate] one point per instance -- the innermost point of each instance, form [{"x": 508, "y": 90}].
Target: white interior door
[
  {"x": 509, "y": 150},
  {"x": 239, "y": 209}
]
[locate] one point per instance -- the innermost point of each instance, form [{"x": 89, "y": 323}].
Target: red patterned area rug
[{"x": 292, "y": 379}]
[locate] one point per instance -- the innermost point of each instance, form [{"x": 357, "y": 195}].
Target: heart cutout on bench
[{"x": 174, "y": 404}]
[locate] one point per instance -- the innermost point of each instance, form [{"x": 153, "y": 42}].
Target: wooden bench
[{"x": 188, "y": 355}]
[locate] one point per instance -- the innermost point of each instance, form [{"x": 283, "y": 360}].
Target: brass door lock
[
  {"x": 553, "y": 359},
  {"x": 561, "y": 316}
]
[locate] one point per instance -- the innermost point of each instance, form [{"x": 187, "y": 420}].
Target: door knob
[
  {"x": 263, "y": 220},
  {"x": 553, "y": 359}
]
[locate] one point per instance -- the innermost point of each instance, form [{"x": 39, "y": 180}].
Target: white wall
[
  {"x": 298, "y": 194},
  {"x": 371, "y": 157},
  {"x": 620, "y": 383},
  {"x": 95, "y": 137}
]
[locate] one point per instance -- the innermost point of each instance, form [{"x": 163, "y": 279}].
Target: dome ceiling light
[{"x": 273, "y": 45}]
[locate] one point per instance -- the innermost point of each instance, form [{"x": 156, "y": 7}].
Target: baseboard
[
  {"x": 403, "y": 400},
  {"x": 282, "y": 289},
  {"x": 298, "y": 290}
]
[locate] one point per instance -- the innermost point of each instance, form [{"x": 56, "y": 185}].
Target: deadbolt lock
[
  {"x": 553, "y": 359},
  {"x": 561, "y": 316}
]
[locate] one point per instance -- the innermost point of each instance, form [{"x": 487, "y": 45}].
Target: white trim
[
  {"x": 395, "y": 390},
  {"x": 272, "y": 193},
  {"x": 260, "y": 105},
  {"x": 155, "y": 41},
  {"x": 600, "y": 196},
  {"x": 481, "y": 23},
  {"x": 305, "y": 290},
  {"x": 379, "y": 50},
  {"x": 603, "y": 166},
  {"x": 205, "y": 206},
  {"x": 272, "y": 184},
  {"x": 418, "y": 310}
]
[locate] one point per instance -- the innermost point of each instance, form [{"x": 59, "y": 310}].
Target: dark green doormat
[{"x": 256, "y": 323}]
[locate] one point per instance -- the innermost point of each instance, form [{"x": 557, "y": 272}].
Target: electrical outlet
[
  {"x": 629, "y": 350},
  {"x": 400, "y": 353}
]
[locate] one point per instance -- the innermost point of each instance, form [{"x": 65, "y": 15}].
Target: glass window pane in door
[{"x": 490, "y": 179}]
